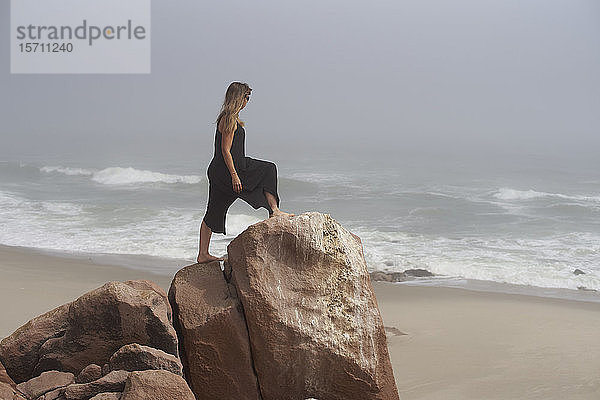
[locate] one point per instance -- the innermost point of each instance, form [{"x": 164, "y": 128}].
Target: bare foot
[
  {"x": 205, "y": 258},
  {"x": 279, "y": 212}
]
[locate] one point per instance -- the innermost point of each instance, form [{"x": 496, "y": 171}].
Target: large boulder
[
  {"x": 314, "y": 324},
  {"x": 19, "y": 352},
  {"x": 213, "y": 338},
  {"x": 90, "y": 330}
]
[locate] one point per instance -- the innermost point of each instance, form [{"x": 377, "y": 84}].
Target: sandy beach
[{"x": 445, "y": 343}]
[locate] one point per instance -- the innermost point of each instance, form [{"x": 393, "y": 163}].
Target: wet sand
[{"x": 445, "y": 343}]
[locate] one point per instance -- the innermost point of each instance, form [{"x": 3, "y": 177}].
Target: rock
[
  {"x": 102, "y": 321},
  {"x": 6, "y": 391},
  {"x": 19, "y": 396},
  {"x": 585, "y": 289},
  {"x": 419, "y": 273},
  {"x": 578, "y": 272},
  {"x": 381, "y": 276},
  {"x": 56, "y": 394},
  {"x": 5, "y": 379},
  {"x": 135, "y": 357},
  {"x": 158, "y": 385},
  {"x": 310, "y": 308},
  {"x": 46, "y": 382},
  {"x": 89, "y": 374},
  {"x": 19, "y": 352},
  {"x": 407, "y": 275},
  {"x": 107, "y": 396},
  {"x": 113, "y": 382},
  {"x": 143, "y": 284},
  {"x": 213, "y": 346}
]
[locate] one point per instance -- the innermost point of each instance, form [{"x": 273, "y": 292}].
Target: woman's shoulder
[{"x": 237, "y": 126}]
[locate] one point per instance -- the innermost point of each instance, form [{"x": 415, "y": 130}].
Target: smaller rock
[
  {"x": 418, "y": 273},
  {"x": 578, "y": 272},
  {"x": 4, "y": 378},
  {"x": 47, "y": 381},
  {"x": 380, "y": 276},
  {"x": 107, "y": 396},
  {"x": 105, "y": 369},
  {"x": 409, "y": 274},
  {"x": 136, "y": 357},
  {"x": 114, "y": 381},
  {"x": 89, "y": 374},
  {"x": 19, "y": 396},
  {"x": 6, "y": 392},
  {"x": 56, "y": 394},
  {"x": 156, "y": 385},
  {"x": 585, "y": 289}
]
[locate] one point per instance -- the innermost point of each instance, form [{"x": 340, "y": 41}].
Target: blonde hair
[{"x": 232, "y": 105}]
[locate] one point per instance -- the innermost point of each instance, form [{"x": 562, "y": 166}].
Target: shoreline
[
  {"x": 167, "y": 267},
  {"x": 444, "y": 342}
]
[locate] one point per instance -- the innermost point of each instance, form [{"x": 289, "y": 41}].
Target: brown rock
[
  {"x": 89, "y": 374},
  {"x": 4, "y": 378},
  {"x": 314, "y": 324},
  {"x": 19, "y": 352},
  {"x": 46, "y": 382},
  {"x": 19, "y": 396},
  {"x": 107, "y": 396},
  {"x": 214, "y": 347},
  {"x": 113, "y": 382},
  {"x": 56, "y": 394},
  {"x": 6, "y": 391},
  {"x": 158, "y": 385},
  {"x": 381, "y": 276},
  {"x": 143, "y": 284},
  {"x": 102, "y": 321},
  {"x": 135, "y": 357}
]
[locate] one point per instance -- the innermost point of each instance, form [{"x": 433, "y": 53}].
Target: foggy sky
[{"x": 397, "y": 77}]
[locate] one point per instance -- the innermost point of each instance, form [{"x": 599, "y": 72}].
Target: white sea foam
[
  {"x": 66, "y": 170},
  {"x": 124, "y": 175},
  {"x": 64, "y": 226},
  {"x": 121, "y": 176},
  {"x": 513, "y": 194},
  {"x": 547, "y": 262}
]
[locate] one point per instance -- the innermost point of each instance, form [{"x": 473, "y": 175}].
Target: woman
[{"x": 231, "y": 174}]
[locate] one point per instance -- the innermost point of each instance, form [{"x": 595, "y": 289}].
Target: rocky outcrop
[
  {"x": 90, "y": 329},
  {"x": 313, "y": 320},
  {"x": 214, "y": 345},
  {"x": 292, "y": 315},
  {"x": 92, "y": 383}
]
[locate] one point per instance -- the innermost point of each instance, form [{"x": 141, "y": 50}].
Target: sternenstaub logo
[{"x": 75, "y": 36}]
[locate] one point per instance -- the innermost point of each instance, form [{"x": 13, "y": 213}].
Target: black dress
[{"x": 255, "y": 175}]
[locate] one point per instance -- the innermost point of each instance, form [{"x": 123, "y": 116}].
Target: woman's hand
[{"x": 236, "y": 183}]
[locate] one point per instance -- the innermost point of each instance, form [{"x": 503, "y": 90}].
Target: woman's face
[{"x": 246, "y": 98}]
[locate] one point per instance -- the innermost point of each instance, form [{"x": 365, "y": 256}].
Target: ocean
[{"x": 532, "y": 224}]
